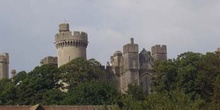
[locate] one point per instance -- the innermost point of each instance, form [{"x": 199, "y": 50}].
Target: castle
[
  {"x": 132, "y": 67},
  {"x": 128, "y": 67}
]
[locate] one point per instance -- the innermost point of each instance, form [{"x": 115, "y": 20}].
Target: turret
[
  {"x": 13, "y": 73},
  {"x": 70, "y": 45},
  {"x": 4, "y": 65},
  {"x": 64, "y": 27},
  {"x": 116, "y": 62},
  {"x": 130, "y": 52},
  {"x": 159, "y": 52}
]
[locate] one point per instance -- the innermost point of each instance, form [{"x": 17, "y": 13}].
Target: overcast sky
[{"x": 27, "y": 27}]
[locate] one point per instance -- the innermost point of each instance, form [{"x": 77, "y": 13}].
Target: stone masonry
[
  {"x": 70, "y": 45},
  {"x": 132, "y": 67},
  {"x": 49, "y": 60},
  {"x": 4, "y": 65}
]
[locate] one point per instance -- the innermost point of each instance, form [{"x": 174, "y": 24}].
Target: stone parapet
[
  {"x": 49, "y": 60},
  {"x": 74, "y": 35},
  {"x": 159, "y": 49}
]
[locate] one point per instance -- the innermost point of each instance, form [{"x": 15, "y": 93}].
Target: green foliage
[
  {"x": 80, "y": 70},
  {"x": 207, "y": 75},
  {"x": 191, "y": 81},
  {"x": 129, "y": 103},
  {"x": 52, "y": 97},
  {"x": 20, "y": 76},
  {"x": 165, "y": 78},
  {"x": 216, "y": 95},
  {"x": 38, "y": 82},
  {"x": 178, "y": 74},
  {"x": 136, "y": 92},
  {"x": 194, "y": 74},
  {"x": 7, "y": 92},
  {"x": 93, "y": 92},
  {"x": 88, "y": 85},
  {"x": 133, "y": 99},
  {"x": 173, "y": 100}
]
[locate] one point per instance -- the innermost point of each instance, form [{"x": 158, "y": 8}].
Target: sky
[{"x": 28, "y": 27}]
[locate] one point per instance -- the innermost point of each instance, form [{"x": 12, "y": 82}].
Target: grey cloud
[{"x": 28, "y": 27}]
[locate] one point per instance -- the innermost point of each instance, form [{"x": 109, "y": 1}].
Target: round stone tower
[{"x": 70, "y": 45}]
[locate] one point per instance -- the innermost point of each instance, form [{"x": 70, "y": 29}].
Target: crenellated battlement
[
  {"x": 74, "y": 38},
  {"x": 74, "y": 35},
  {"x": 159, "y": 49}
]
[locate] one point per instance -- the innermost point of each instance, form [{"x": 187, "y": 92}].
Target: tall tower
[
  {"x": 117, "y": 67},
  {"x": 70, "y": 45},
  {"x": 13, "y": 73},
  {"x": 159, "y": 52},
  {"x": 4, "y": 65},
  {"x": 131, "y": 65}
]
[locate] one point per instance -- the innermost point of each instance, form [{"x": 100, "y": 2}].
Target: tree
[
  {"x": 20, "y": 76},
  {"x": 7, "y": 92},
  {"x": 53, "y": 97},
  {"x": 188, "y": 67},
  {"x": 165, "y": 78},
  {"x": 133, "y": 98},
  {"x": 172, "y": 100},
  {"x": 136, "y": 92},
  {"x": 80, "y": 70},
  {"x": 209, "y": 69},
  {"x": 38, "y": 82},
  {"x": 180, "y": 73},
  {"x": 194, "y": 74},
  {"x": 216, "y": 95},
  {"x": 93, "y": 92}
]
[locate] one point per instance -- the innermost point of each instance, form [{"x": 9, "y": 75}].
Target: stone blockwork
[
  {"x": 132, "y": 67},
  {"x": 4, "y": 65},
  {"x": 159, "y": 52},
  {"x": 70, "y": 45},
  {"x": 49, "y": 60}
]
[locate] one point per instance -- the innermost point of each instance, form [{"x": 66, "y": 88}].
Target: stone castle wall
[{"x": 49, "y": 60}]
